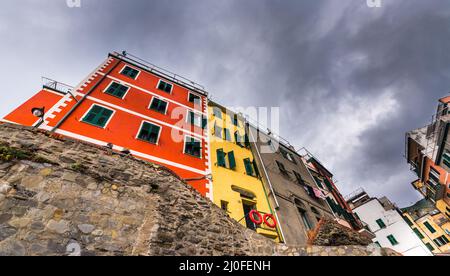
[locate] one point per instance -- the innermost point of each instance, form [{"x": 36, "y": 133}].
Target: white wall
[{"x": 408, "y": 242}]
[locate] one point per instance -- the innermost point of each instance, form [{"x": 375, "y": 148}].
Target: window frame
[
  {"x": 159, "y": 134},
  {"x": 132, "y": 67},
  {"x": 393, "y": 241},
  {"x": 195, "y": 94},
  {"x": 381, "y": 224},
  {"x": 201, "y": 146},
  {"x": 102, "y": 106},
  {"x": 158, "y": 98},
  {"x": 119, "y": 83},
  {"x": 171, "y": 88}
]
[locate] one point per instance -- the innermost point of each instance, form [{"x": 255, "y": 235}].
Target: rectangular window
[
  {"x": 299, "y": 178},
  {"x": 282, "y": 168},
  {"x": 408, "y": 221},
  {"x": 130, "y": 72},
  {"x": 380, "y": 223},
  {"x": 446, "y": 158},
  {"x": 318, "y": 182},
  {"x": 218, "y": 131},
  {"x": 429, "y": 227},
  {"x": 224, "y": 205},
  {"x": 305, "y": 219},
  {"x": 392, "y": 239},
  {"x": 430, "y": 247},
  {"x": 418, "y": 233},
  {"x": 434, "y": 176},
  {"x": 231, "y": 160},
  {"x": 235, "y": 120},
  {"x": 238, "y": 139},
  {"x": 196, "y": 119},
  {"x": 217, "y": 112},
  {"x": 165, "y": 86},
  {"x": 159, "y": 105},
  {"x": 441, "y": 241},
  {"x": 149, "y": 133},
  {"x": 196, "y": 100},
  {"x": 98, "y": 116},
  {"x": 117, "y": 90},
  {"x": 193, "y": 147},
  {"x": 221, "y": 158},
  {"x": 248, "y": 167},
  {"x": 248, "y": 207},
  {"x": 227, "y": 134}
]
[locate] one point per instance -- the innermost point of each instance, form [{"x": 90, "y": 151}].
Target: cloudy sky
[{"x": 350, "y": 80}]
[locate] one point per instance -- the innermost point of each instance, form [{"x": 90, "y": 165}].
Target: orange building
[{"x": 131, "y": 106}]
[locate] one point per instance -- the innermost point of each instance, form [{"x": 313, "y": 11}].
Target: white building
[{"x": 385, "y": 221}]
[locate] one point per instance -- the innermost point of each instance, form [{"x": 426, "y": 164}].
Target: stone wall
[{"x": 62, "y": 197}]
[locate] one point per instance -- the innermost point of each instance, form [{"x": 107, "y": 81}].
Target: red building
[{"x": 132, "y": 106}]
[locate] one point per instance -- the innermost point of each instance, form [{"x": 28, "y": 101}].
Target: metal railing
[{"x": 56, "y": 85}]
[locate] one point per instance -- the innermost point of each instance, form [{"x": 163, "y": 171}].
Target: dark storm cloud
[{"x": 349, "y": 79}]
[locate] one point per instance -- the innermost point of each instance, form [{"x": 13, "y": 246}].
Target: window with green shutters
[
  {"x": 117, "y": 90},
  {"x": 98, "y": 116},
  {"x": 429, "y": 227},
  {"x": 318, "y": 182},
  {"x": 235, "y": 120},
  {"x": 193, "y": 147},
  {"x": 218, "y": 131},
  {"x": 159, "y": 105},
  {"x": 165, "y": 86},
  {"x": 380, "y": 223},
  {"x": 130, "y": 72},
  {"x": 392, "y": 239},
  {"x": 194, "y": 99},
  {"x": 238, "y": 139},
  {"x": 429, "y": 246},
  {"x": 255, "y": 167},
  {"x": 441, "y": 241},
  {"x": 217, "y": 112},
  {"x": 248, "y": 167},
  {"x": 149, "y": 133},
  {"x": 231, "y": 160},
  {"x": 408, "y": 221},
  {"x": 446, "y": 158},
  {"x": 418, "y": 233},
  {"x": 196, "y": 119},
  {"x": 227, "y": 134},
  {"x": 221, "y": 158}
]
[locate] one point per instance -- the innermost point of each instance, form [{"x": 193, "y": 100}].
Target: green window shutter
[
  {"x": 332, "y": 205},
  {"x": 381, "y": 223},
  {"x": 117, "y": 90},
  {"x": 204, "y": 122},
  {"x": 221, "y": 158},
  {"x": 444, "y": 238},
  {"x": 193, "y": 147},
  {"x": 98, "y": 116},
  {"x": 194, "y": 99},
  {"x": 248, "y": 167},
  {"x": 418, "y": 233},
  {"x": 130, "y": 72},
  {"x": 392, "y": 240},
  {"x": 227, "y": 134},
  {"x": 237, "y": 138},
  {"x": 158, "y": 105},
  {"x": 429, "y": 227},
  {"x": 430, "y": 247},
  {"x": 231, "y": 160},
  {"x": 247, "y": 141},
  {"x": 149, "y": 133},
  {"x": 255, "y": 166},
  {"x": 328, "y": 184},
  {"x": 319, "y": 183},
  {"x": 164, "y": 86}
]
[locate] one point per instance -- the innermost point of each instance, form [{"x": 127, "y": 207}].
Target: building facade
[
  {"x": 430, "y": 225},
  {"x": 386, "y": 222},
  {"x": 428, "y": 153},
  {"x": 237, "y": 186},
  {"x": 298, "y": 201},
  {"x": 134, "y": 107}
]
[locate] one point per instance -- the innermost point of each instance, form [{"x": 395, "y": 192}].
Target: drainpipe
[
  {"x": 270, "y": 184},
  {"x": 78, "y": 103}
]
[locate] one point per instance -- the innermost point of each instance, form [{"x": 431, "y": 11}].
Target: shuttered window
[
  {"x": 193, "y": 147},
  {"x": 227, "y": 134},
  {"x": 117, "y": 90},
  {"x": 446, "y": 158},
  {"x": 159, "y": 105},
  {"x": 98, "y": 116},
  {"x": 165, "y": 86},
  {"x": 218, "y": 131},
  {"x": 130, "y": 72},
  {"x": 392, "y": 239},
  {"x": 231, "y": 160},
  {"x": 418, "y": 233},
  {"x": 149, "y": 133},
  {"x": 429, "y": 227},
  {"x": 381, "y": 223},
  {"x": 221, "y": 158},
  {"x": 248, "y": 167}
]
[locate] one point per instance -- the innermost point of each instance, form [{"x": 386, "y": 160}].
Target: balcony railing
[{"x": 56, "y": 86}]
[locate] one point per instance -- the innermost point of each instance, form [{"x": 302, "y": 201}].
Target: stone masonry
[{"x": 63, "y": 197}]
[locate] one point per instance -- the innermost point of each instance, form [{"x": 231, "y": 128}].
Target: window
[
  {"x": 288, "y": 156},
  {"x": 299, "y": 178},
  {"x": 117, "y": 90},
  {"x": 429, "y": 246},
  {"x": 98, "y": 116},
  {"x": 441, "y": 241},
  {"x": 194, "y": 99},
  {"x": 159, "y": 105},
  {"x": 418, "y": 233},
  {"x": 217, "y": 112},
  {"x": 248, "y": 207},
  {"x": 149, "y": 133},
  {"x": 434, "y": 176},
  {"x": 408, "y": 221},
  {"x": 392, "y": 239},
  {"x": 222, "y": 157},
  {"x": 429, "y": 227},
  {"x": 446, "y": 158},
  {"x": 282, "y": 169},
  {"x": 165, "y": 86},
  {"x": 227, "y": 134},
  {"x": 238, "y": 138},
  {"x": 193, "y": 147},
  {"x": 196, "y": 119},
  {"x": 218, "y": 131},
  {"x": 380, "y": 223},
  {"x": 130, "y": 72},
  {"x": 224, "y": 205},
  {"x": 235, "y": 120},
  {"x": 248, "y": 167},
  {"x": 305, "y": 219}
]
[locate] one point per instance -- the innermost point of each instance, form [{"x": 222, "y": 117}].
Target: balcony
[{"x": 56, "y": 86}]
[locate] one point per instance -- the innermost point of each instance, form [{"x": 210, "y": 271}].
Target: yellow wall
[
  {"x": 224, "y": 178},
  {"x": 426, "y": 239},
  {"x": 440, "y": 230}
]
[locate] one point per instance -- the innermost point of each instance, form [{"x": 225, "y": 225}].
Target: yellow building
[
  {"x": 236, "y": 184},
  {"x": 432, "y": 227}
]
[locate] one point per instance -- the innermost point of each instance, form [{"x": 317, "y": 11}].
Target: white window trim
[
  {"x": 195, "y": 94},
  {"x": 90, "y": 108},
  {"x": 159, "y": 82},
  {"x": 132, "y": 67},
  {"x": 151, "y": 102},
  {"x": 159, "y": 134},
  {"x": 196, "y": 113},
  {"x": 184, "y": 146},
  {"x": 111, "y": 83}
]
